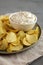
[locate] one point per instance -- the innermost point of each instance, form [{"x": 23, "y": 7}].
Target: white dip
[
  {"x": 23, "y": 17},
  {"x": 18, "y": 19}
]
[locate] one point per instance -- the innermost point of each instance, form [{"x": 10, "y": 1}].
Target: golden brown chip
[
  {"x": 25, "y": 42},
  {"x": 4, "y": 17},
  {"x": 13, "y": 30},
  {"x": 11, "y": 37},
  {"x": 1, "y": 24},
  {"x": 0, "y": 42},
  {"x": 2, "y": 30},
  {"x": 7, "y": 23},
  {"x": 37, "y": 31},
  {"x": 30, "y": 32},
  {"x": 34, "y": 31},
  {"x": 12, "y": 48},
  {"x": 18, "y": 38},
  {"x": 31, "y": 38},
  {"x": 17, "y": 42},
  {"x": 2, "y": 36},
  {"x": 4, "y": 44},
  {"x": 21, "y": 35}
]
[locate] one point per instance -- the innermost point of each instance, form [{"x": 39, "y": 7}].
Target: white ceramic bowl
[{"x": 22, "y": 26}]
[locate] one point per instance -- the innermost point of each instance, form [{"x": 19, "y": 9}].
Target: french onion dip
[{"x": 23, "y": 17}]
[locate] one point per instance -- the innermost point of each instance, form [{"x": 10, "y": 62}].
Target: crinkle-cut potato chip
[
  {"x": 12, "y": 48},
  {"x": 11, "y": 37},
  {"x": 31, "y": 38},
  {"x": 33, "y": 31},
  {"x": 7, "y": 23},
  {"x": 25, "y": 42},
  {"x": 18, "y": 38},
  {"x": 5, "y": 20},
  {"x": 2, "y": 30},
  {"x": 16, "y": 43},
  {"x": 2, "y": 36},
  {"x": 21, "y": 34},
  {"x": 1, "y": 24},
  {"x": 4, "y": 44},
  {"x": 37, "y": 30},
  {"x": 30, "y": 32},
  {"x": 4, "y": 17}
]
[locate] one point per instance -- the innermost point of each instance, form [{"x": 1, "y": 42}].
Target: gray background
[{"x": 35, "y": 6}]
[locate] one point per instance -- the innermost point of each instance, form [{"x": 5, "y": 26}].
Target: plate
[{"x": 25, "y": 48}]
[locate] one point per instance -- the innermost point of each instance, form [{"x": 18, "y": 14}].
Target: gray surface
[
  {"x": 37, "y": 61},
  {"x": 35, "y": 6}
]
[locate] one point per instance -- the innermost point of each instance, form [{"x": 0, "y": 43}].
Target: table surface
[{"x": 35, "y": 6}]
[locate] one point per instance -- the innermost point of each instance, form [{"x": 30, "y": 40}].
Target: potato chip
[
  {"x": 12, "y": 48},
  {"x": 2, "y": 36},
  {"x": 25, "y": 42},
  {"x": 18, "y": 38},
  {"x": 37, "y": 31},
  {"x": 16, "y": 43},
  {"x": 7, "y": 23},
  {"x": 31, "y": 38},
  {"x": 4, "y": 44},
  {"x": 1, "y": 24},
  {"x": 34, "y": 31},
  {"x": 30, "y": 32},
  {"x": 13, "y": 30},
  {"x": 2, "y": 30},
  {"x": 4, "y": 17},
  {"x": 21, "y": 35},
  {"x": 0, "y": 42},
  {"x": 11, "y": 37}
]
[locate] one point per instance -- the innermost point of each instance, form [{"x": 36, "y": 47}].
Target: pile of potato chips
[{"x": 15, "y": 40}]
